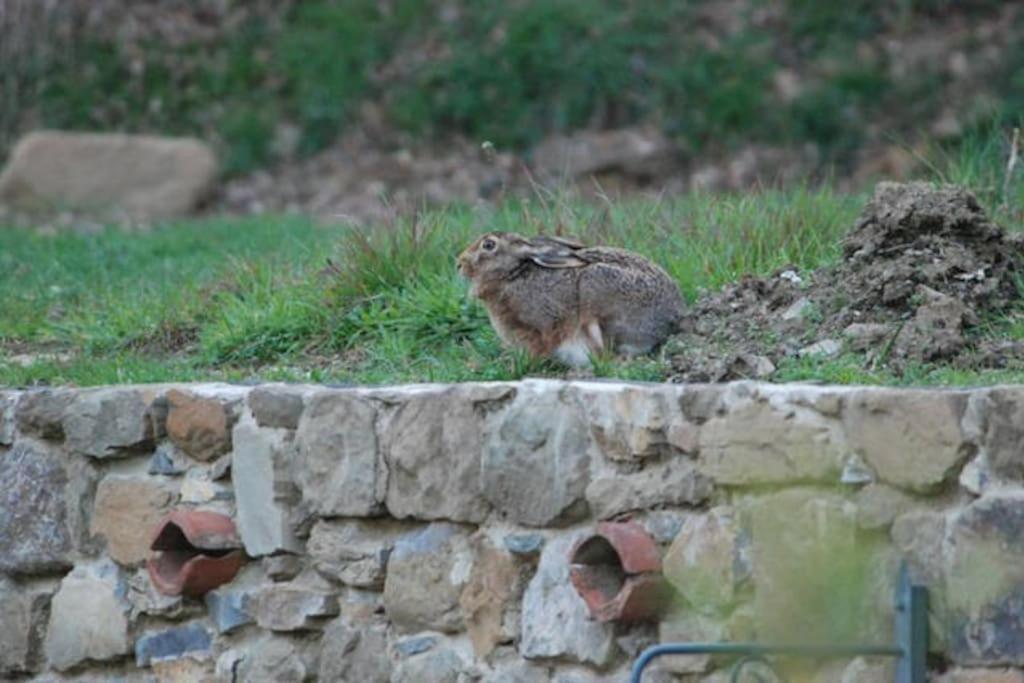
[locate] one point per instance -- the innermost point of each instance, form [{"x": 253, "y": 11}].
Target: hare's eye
[{"x": 488, "y": 245}]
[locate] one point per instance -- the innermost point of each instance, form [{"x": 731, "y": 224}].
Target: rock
[
  {"x": 490, "y": 599},
  {"x": 918, "y": 537},
  {"x": 425, "y": 575},
  {"x": 146, "y": 599},
  {"x": 757, "y": 442},
  {"x": 172, "y": 643},
  {"x": 144, "y": 176},
  {"x": 1003, "y": 435},
  {"x": 7, "y": 404},
  {"x": 197, "y": 488},
  {"x": 282, "y": 567},
  {"x": 519, "y": 672},
  {"x": 981, "y": 676},
  {"x": 278, "y": 407},
  {"x": 271, "y": 658},
  {"x": 354, "y": 552},
  {"x": 184, "y": 670},
  {"x": 126, "y": 511},
  {"x": 263, "y": 489},
  {"x": 229, "y": 610},
  {"x": 22, "y": 626},
  {"x": 431, "y": 446},
  {"x": 526, "y": 545},
  {"x": 864, "y": 336},
  {"x": 198, "y": 426},
  {"x": 824, "y": 348},
  {"x": 41, "y": 413},
  {"x": 936, "y": 331},
  {"x": 336, "y": 450},
  {"x": 105, "y": 423},
  {"x": 688, "y": 628},
  {"x": 542, "y": 436},
  {"x": 673, "y": 482},
  {"x": 798, "y": 310},
  {"x": 642, "y": 152},
  {"x": 40, "y": 524},
  {"x": 284, "y": 607},
  {"x": 664, "y": 525},
  {"x": 555, "y": 621},
  {"x": 88, "y": 617},
  {"x": 709, "y": 560},
  {"x": 355, "y": 653},
  {"x": 878, "y": 505},
  {"x": 984, "y": 572},
  {"x": 629, "y": 423},
  {"x": 407, "y": 647},
  {"x": 167, "y": 459},
  {"x": 435, "y": 666},
  {"x": 911, "y": 439},
  {"x": 861, "y": 670}
]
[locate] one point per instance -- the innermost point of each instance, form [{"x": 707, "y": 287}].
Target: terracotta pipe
[{"x": 198, "y": 550}]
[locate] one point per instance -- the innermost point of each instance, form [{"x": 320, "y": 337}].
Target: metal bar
[{"x": 911, "y": 626}]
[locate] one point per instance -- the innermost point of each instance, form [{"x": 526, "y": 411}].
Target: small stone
[
  {"x": 336, "y": 456},
  {"x": 542, "y": 436},
  {"x": 878, "y": 505},
  {"x": 629, "y": 423},
  {"x": 491, "y": 597},
  {"x": 555, "y": 621},
  {"x": 41, "y": 413},
  {"x": 688, "y": 628},
  {"x": 271, "y": 658},
  {"x": 1003, "y": 438},
  {"x": 105, "y": 423},
  {"x": 521, "y": 672},
  {"x": 434, "y": 666},
  {"x": 184, "y": 670},
  {"x": 355, "y": 652},
  {"x": 229, "y": 610},
  {"x": 425, "y": 575},
  {"x": 407, "y": 647},
  {"x": 976, "y": 476},
  {"x": 670, "y": 483},
  {"x": 7, "y": 402},
  {"x": 798, "y": 310},
  {"x": 198, "y": 426},
  {"x": 664, "y": 525},
  {"x": 524, "y": 544},
  {"x": 146, "y": 599},
  {"x": 708, "y": 560},
  {"x": 197, "y": 488},
  {"x": 126, "y": 511},
  {"x": 173, "y": 643},
  {"x": 282, "y": 567},
  {"x": 283, "y": 607},
  {"x": 167, "y": 460},
  {"x": 864, "y": 336},
  {"x": 684, "y": 437},
  {"x": 856, "y": 472},
  {"x": 354, "y": 552},
  {"x": 88, "y": 617},
  {"x": 263, "y": 491},
  {"x": 862, "y": 670},
  {"x": 276, "y": 406},
  {"x": 981, "y": 676},
  {"x": 22, "y": 626},
  {"x": 825, "y": 348}
]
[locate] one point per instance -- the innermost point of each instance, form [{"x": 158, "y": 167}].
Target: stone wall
[{"x": 422, "y": 533}]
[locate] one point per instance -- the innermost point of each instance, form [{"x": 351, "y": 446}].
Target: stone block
[
  {"x": 291, "y": 607},
  {"x": 441, "y": 665},
  {"x": 108, "y": 423},
  {"x": 959, "y": 675},
  {"x": 912, "y": 439},
  {"x": 541, "y": 437},
  {"x": 1003, "y": 432},
  {"x": 229, "y": 609},
  {"x": 425, "y": 576},
  {"x": 22, "y": 626},
  {"x": 432, "y": 445},
  {"x": 271, "y": 658},
  {"x": 524, "y": 545},
  {"x": 555, "y": 622},
  {"x": 168, "y": 460},
  {"x": 354, "y": 552},
  {"x": 277, "y": 406},
  {"x": 879, "y": 504},
  {"x": 355, "y": 652},
  {"x": 490, "y": 600},
  {"x": 126, "y": 512},
  {"x": 336, "y": 456},
  {"x": 173, "y": 643},
  {"x": 39, "y": 502},
  {"x": 8, "y": 399},
  {"x": 88, "y": 617},
  {"x": 264, "y": 493},
  {"x": 688, "y": 627},
  {"x": 40, "y": 413},
  {"x": 709, "y": 560},
  {"x": 631, "y": 423},
  {"x": 674, "y": 482},
  {"x": 199, "y": 426}
]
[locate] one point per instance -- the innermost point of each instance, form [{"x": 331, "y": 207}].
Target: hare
[{"x": 556, "y": 297}]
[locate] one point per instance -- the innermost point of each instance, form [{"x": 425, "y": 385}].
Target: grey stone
[
  {"x": 425, "y": 575},
  {"x": 1003, "y": 438},
  {"x": 441, "y": 665},
  {"x": 959, "y": 675},
  {"x": 918, "y": 537},
  {"x": 524, "y": 544},
  {"x": 198, "y": 488},
  {"x": 262, "y": 489},
  {"x": 664, "y": 525},
  {"x": 519, "y": 672},
  {"x": 8, "y": 399},
  {"x": 172, "y": 643},
  {"x": 272, "y": 658},
  {"x": 229, "y": 609},
  {"x": 630, "y": 423},
  {"x": 108, "y": 423},
  {"x": 167, "y": 459},
  {"x": 146, "y": 599},
  {"x": 37, "y": 533},
  {"x": 41, "y": 412},
  {"x": 542, "y": 437},
  {"x": 912, "y": 439},
  {"x": 88, "y": 617},
  {"x": 432, "y": 446},
  {"x": 414, "y": 645},
  {"x": 126, "y": 511},
  {"x": 355, "y": 652},
  {"x": 673, "y": 482},
  {"x": 354, "y": 552},
  {"x": 824, "y": 348},
  {"x": 709, "y": 560},
  {"x": 21, "y": 627},
  {"x": 878, "y": 505},
  {"x": 687, "y": 627},
  {"x": 555, "y": 621},
  {"x": 336, "y": 448},
  {"x": 289, "y": 607},
  {"x": 984, "y": 575},
  {"x": 279, "y": 407},
  {"x": 282, "y": 567}
]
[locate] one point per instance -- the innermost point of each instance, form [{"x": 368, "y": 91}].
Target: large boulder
[{"x": 144, "y": 176}]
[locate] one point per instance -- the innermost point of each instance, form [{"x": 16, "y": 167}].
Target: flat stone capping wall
[{"x": 422, "y": 533}]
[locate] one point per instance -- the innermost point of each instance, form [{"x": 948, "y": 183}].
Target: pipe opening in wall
[
  {"x": 196, "y": 551},
  {"x": 599, "y": 562}
]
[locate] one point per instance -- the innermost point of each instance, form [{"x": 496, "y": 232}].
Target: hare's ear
[
  {"x": 556, "y": 258},
  {"x": 564, "y": 241}
]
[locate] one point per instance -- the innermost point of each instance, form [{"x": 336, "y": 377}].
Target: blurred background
[{"x": 325, "y": 106}]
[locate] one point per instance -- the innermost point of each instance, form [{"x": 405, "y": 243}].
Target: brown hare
[{"x": 556, "y": 297}]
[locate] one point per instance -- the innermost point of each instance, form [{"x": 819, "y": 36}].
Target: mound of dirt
[{"x": 921, "y": 268}]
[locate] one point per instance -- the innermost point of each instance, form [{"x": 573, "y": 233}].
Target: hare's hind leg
[{"x": 577, "y": 348}]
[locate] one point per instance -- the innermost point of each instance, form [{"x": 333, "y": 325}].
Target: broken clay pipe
[
  {"x": 198, "y": 551},
  {"x": 617, "y": 572}
]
